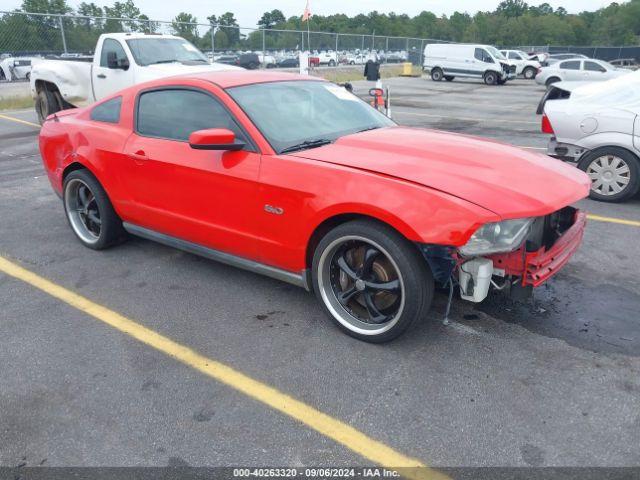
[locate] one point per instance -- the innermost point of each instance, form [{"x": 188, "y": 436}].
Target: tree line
[{"x": 512, "y": 23}]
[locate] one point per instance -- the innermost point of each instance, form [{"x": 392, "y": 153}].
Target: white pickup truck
[{"x": 120, "y": 60}]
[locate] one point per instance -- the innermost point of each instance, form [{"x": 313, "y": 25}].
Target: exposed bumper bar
[{"x": 537, "y": 267}]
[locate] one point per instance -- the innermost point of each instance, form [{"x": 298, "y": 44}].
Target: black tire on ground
[
  {"x": 449, "y": 78},
  {"x": 610, "y": 169},
  {"x": 551, "y": 80},
  {"x": 437, "y": 74},
  {"x": 529, "y": 73},
  {"x": 332, "y": 63},
  {"x": 352, "y": 62},
  {"x": 110, "y": 227},
  {"x": 2, "y": 77},
  {"x": 47, "y": 102},
  {"x": 501, "y": 81},
  {"x": 364, "y": 311},
  {"x": 490, "y": 78}
]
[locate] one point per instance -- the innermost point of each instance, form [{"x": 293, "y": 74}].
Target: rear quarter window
[{"x": 108, "y": 112}]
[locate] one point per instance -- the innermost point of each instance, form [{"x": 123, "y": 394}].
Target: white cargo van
[{"x": 450, "y": 60}]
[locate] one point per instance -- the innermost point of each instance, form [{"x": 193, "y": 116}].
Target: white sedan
[
  {"x": 596, "y": 126},
  {"x": 578, "y": 69}
]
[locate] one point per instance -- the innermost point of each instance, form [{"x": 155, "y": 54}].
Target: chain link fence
[
  {"x": 30, "y": 34},
  {"x": 42, "y": 35}
]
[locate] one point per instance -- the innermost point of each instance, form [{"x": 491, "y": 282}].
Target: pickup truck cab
[{"x": 120, "y": 61}]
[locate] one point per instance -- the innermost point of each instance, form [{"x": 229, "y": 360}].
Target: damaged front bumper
[
  {"x": 551, "y": 242},
  {"x": 537, "y": 266}
]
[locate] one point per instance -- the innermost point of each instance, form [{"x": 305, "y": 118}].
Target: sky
[{"x": 248, "y": 12}]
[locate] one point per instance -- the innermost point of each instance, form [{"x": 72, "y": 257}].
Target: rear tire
[
  {"x": 551, "y": 81},
  {"x": 490, "y": 78},
  {"x": 437, "y": 74},
  {"x": 47, "y": 103},
  {"x": 332, "y": 63},
  {"x": 614, "y": 173},
  {"x": 371, "y": 281},
  {"x": 89, "y": 211},
  {"x": 449, "y": 78},
  {"x": 529, "y": 73}
]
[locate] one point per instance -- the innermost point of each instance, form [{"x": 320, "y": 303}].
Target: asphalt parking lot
[{"x": 550, "y": 382}]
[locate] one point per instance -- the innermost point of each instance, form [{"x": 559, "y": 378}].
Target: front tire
[
  {"x": 332, "y": 63},
  {"x": 614, "y": 173},
  {"x": 371, "y": 281},
  {"x": 490, "y": 78},
  {"x": 437, "y": 74},
  {"x": 89, "y": 211}
]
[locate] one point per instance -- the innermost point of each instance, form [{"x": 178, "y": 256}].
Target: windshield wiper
[{"x": 306, "y": 144}]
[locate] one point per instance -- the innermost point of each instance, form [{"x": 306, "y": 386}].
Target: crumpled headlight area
[{"x": 504, "y": 236}]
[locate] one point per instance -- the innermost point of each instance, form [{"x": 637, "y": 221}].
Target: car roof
[{"x": 237, "y": 78}]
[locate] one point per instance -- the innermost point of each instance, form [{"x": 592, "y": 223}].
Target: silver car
[
  {"x": 597, "y": 127},
  {"x": 578, "y": 70}
]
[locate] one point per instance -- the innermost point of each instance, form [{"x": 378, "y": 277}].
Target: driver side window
[
  {"x": 111, "y": 45},
  {"x": 482, "y": 55},
  {"x": 174, "y": 114}
]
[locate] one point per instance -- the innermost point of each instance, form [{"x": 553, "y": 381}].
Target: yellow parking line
[
  {"x": 17, "y": 120},
  {"x": 621, "y": 221},
  {"x": 373, "y": 450}
]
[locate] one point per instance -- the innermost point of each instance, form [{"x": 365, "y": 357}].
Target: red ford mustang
[{"x": 296, "y": 178}]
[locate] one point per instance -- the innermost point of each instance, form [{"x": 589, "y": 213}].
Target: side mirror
[
  {"x": 215, "y": 139},
  {"x": 114, "y": 63}
]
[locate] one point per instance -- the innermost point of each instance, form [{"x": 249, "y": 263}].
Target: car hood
[{"x": 509, "y": 181}]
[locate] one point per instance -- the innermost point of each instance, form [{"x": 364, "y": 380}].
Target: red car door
[{"x": 202, "y": 196}]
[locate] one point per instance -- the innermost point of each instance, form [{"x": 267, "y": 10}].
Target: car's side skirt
[{"x": 298, "y": 279}]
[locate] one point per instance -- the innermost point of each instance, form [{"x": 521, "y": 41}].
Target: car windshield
[
  {"x": 148, "y": 51},
  {"x": 496, "y": 54},
  {"x": 304, "y": 114}
]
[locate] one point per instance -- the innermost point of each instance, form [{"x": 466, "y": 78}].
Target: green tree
[
  {"x": 271, "y": 19},
  {"x": 184, "y": 25}
]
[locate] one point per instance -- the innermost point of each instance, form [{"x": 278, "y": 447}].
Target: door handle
[
  {"x": 101, "y": 75},
  {"x": 139, "y": 157}
]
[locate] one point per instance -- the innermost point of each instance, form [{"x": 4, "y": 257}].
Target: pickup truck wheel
[
  {"x": 46, "y": 104},
  {"x": 332, "y": 63},
  {"x": 437, "y": 74},
  {"x": 529, "y": 73},
  {"x": 614, "y": 173},
  {"x": 371, "y": 281},
  {"x": 89, "y": 211},
  {"x": 490, "y": 78}
]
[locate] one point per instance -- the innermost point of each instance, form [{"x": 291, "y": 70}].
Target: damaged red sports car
[{"x": 296, "y": 178}]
